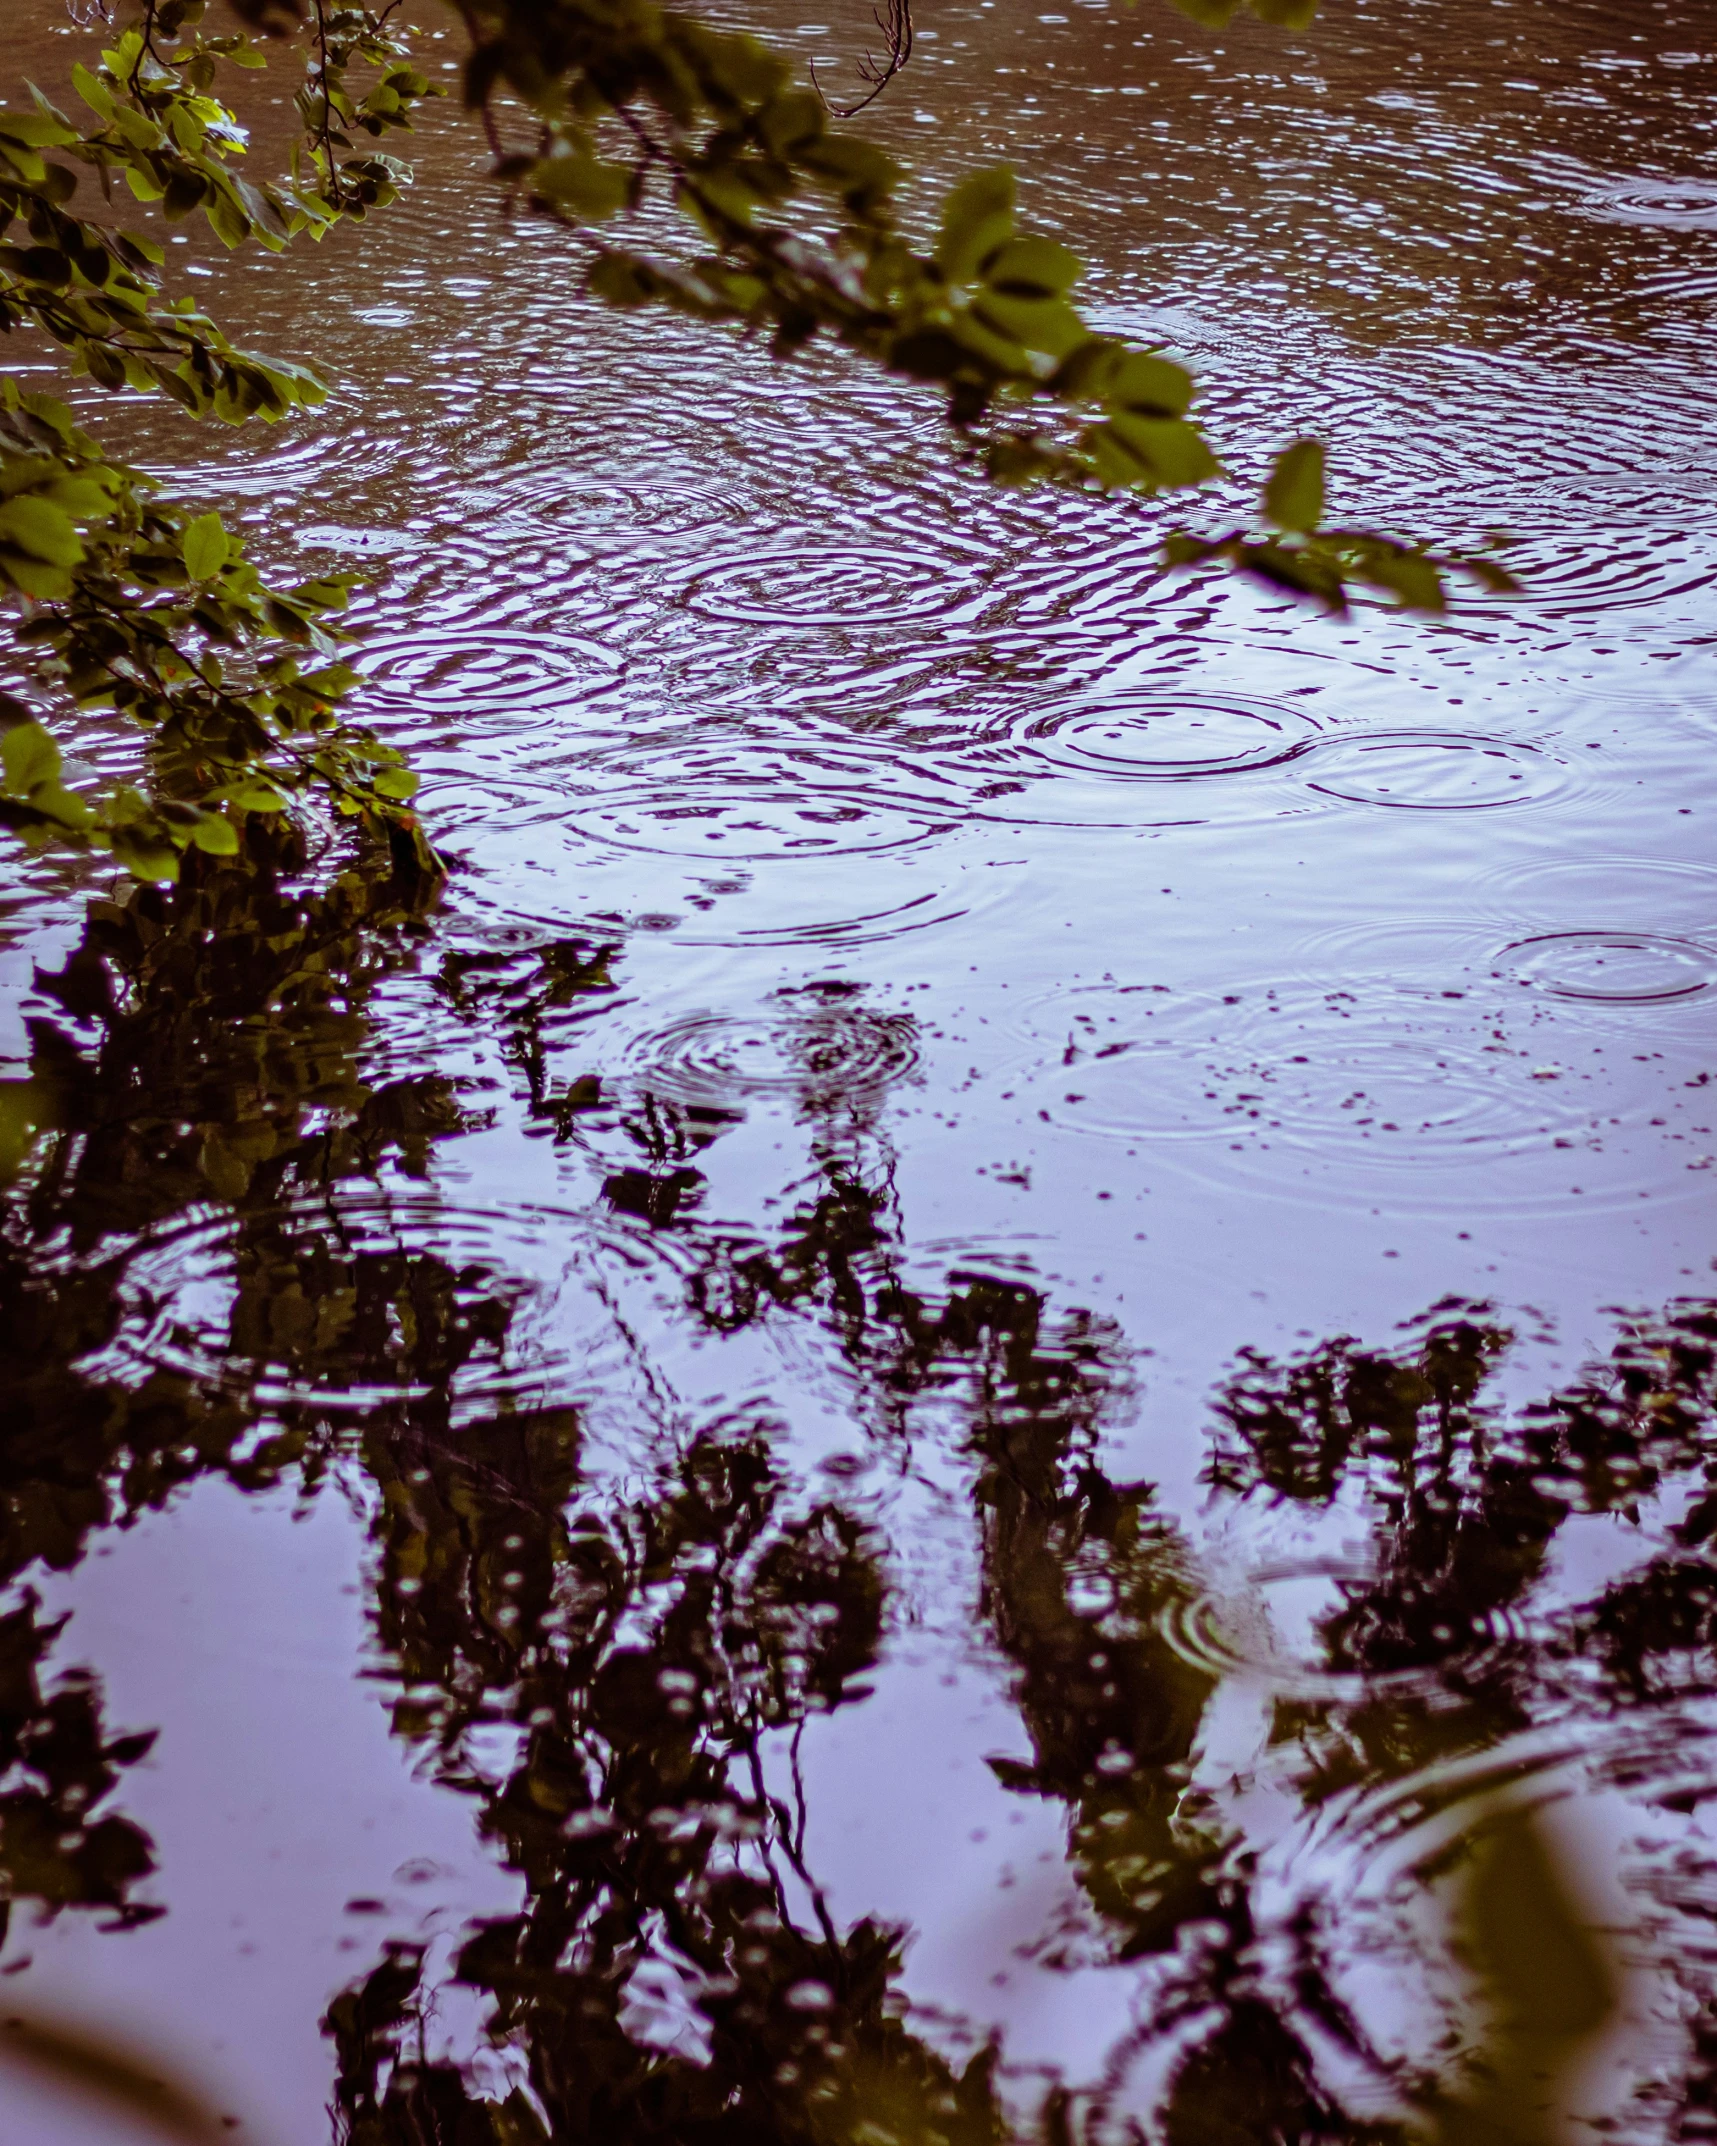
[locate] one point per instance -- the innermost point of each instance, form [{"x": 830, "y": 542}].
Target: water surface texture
[{"x": 989, "y": 1382}]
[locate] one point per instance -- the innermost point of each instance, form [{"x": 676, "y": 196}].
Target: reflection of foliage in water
[
  {"x": 1081, "y": 1585},
  {"x": 207, "y": 1055},
  {"x": 620, "y": 1677},
  {"x": 1468, "y": 1505}
]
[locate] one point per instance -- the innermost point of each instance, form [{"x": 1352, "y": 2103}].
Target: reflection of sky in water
[{"x": 1239, "y": 976}]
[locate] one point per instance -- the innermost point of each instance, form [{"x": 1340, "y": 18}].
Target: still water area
[{"x": 980, "y": 1402}]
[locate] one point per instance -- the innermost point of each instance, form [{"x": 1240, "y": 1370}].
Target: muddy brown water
[{"x": 1022, "y": 1311}]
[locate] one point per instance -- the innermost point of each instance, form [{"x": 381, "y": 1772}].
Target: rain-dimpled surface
[{"x": 977, "y": 901}]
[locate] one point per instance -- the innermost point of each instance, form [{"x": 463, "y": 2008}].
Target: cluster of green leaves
[
  {"x": 133, "y": 603},
  {"x": 1302, "y": 554},
  {"x": 133, "y": 611},
  {"x": 627, "y": 92},
  {"x": 129, "y": 601}
]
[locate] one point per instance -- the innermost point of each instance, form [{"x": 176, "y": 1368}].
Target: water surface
[{"x": 922, "y": 1425}]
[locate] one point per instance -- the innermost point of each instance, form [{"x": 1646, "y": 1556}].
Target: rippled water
[{"x": 1123, "y": 1171}]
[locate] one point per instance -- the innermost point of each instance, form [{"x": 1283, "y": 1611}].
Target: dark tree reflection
[
  {"x": 619, "y": 1672},
  {"x": 204, "y": 1062}
]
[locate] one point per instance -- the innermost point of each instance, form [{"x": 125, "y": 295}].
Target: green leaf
[
  {"x": 396, "y": 782},
  {"x": 93, "y": 91},
  {"x": 33, "y": 576},
  {"x": 858, "y": 169},
  {"x": 1149, "y": 385},
  {"x": 1047, "y": 324},
  {"x": 206, "y": 547},
  {"x": 62, "y": 805},
  {"x": 1294, "y": 496},
  {"x": 1495, "y": 577},
  {"x": 620, "y": 281},
  {"x": 145, "y": 853},
  {"x": 1160, "y": 452},
  {"x": 29, "y": 166},
  {"x": 1034, "y": 268},
  {"x": 582, "y": 185},
  {"x": 216, "y": 836},
  {"x": 977, "y": 221},
  {"x": 41, "y": 529},
  {"x": 792, "y": 122},
  {"x": 36, "y": 130},
  {"x": 21, "y": 1118},
  {"x": 1301, "y": 571},
  {"x": 1411, "y": 577},
  {"x": 1180, "y": 549},
  {"x": 28, "y": 756}
]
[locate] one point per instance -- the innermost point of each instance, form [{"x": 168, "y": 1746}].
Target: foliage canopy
[{"x": 130, "y": 601}]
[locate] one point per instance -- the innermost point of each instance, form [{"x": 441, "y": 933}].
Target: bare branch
[{"x": 894, "y": 20}]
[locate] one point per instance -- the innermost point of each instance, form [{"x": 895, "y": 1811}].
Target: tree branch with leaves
[{"x": 129, "y": 601}]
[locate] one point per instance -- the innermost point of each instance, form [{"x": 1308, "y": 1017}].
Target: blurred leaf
[
  {"x": 36, "y": 526},
  {"x": 1549, "y": 1983},
  {"x": 1294, "y": 496},
  {"x": 977, "y": 220},
  {"x": 581, "y": 184},
  {"x": 22, "y": 1114},
  {"x": 126, "y": 2081},
  {"x": 1411, "y": 577},
  {"x": 1034, "y": 268},
  {"x": 1152, "y": 386},
  {"x": 214, "y": 835},
  {"x": 28, "y": 756}
]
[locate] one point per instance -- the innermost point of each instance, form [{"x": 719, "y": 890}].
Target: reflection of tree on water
[
  {"x": 1082, "y": 1588},
  {"x": 620, "y": 1677},
  {"x": 205, "y": 1056}
]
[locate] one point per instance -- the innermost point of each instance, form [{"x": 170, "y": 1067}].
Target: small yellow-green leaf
[
  {"x": 1046, "y": 324},
  {"x": 1294, "y": 496},
  {"x": 1286, "y": 14},
  {"x": 1411, "y": 577},
  {"x": 1149, "y": 385},
  {"x": 62, "y": 805},
  {"x": 34, "y": 576},
  {"x": 1165, "y": 451},
  {"x": 977, "y": 220},
  {"x": 206, "y": 547},
  {"x": 23, "y": 1113},
  {"x": 37, "y": 130},
  {"x": 257, "y": 797},
  {"x": 93, "y": 92},
  {"x": 1034, "y": 268},
  {"x": 34, "y": 525},
  {"x": 217, "y": 836},
  {"x": 144, "y": 853},
  {"x": 582, "y": 185},
  {"x": 28, "y": 756}
]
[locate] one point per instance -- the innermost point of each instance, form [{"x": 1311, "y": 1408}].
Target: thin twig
[{"x": 896, "y": 26}]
